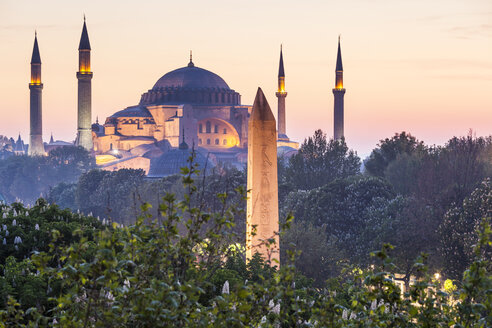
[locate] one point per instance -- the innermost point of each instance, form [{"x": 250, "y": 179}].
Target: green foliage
[
  {"x": 173, "y": 272},
  {"x": 25, "y": 231},
  {"x": 320, "y": 161},
  {"x": 342, "y": 208},
  {"x": 26, "y": 177},
  {"x": 388, "y": 151},
  {"x": 457, "y": 231}
]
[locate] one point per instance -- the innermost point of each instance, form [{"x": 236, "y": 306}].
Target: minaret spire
[
  {"x": 281, "y": 72},
  {"x": 281, "y": 95},
  {"x": 84, "y": 106},
  {"x": 338, "y": 93},
  {"x": 36, "y": 146}
]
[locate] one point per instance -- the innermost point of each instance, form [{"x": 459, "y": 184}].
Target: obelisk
[{"x": 262, "y": 205}]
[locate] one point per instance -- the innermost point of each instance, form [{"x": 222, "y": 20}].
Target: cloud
[{"x": 471, "y": 31}]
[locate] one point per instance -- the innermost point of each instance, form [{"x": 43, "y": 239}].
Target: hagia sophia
[{"x": 187, "y": 108}]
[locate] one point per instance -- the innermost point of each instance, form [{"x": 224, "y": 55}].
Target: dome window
[{"x": 216, "y": 141}]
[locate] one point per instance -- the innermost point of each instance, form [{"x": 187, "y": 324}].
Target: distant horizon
[{"x": 417, "y": 67}]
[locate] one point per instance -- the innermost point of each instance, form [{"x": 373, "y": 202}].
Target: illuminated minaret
[
  {"x": 281, "y": 95},
  {"x": 338, "y": 93},
  {"x": 36, "y": 147},
  {"x": 84, "y": 77}
]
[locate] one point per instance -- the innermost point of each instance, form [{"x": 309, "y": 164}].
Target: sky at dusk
[{"x": 420, "y": 66}]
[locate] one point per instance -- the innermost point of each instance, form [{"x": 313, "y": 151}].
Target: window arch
[{"x": 208, "y": 127}]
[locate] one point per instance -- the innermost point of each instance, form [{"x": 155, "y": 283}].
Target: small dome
[
  {"x": 191, "y": 77},
  {"x": 171, "y": 162},
  {"x": 133, "y": 111}
]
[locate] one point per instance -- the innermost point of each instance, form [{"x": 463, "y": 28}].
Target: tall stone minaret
[
  {"x": 36, "y": 147},
  {"x": 281, "y": 95},
  {"x": 84, "y": 77},
  {"x": 338, "y": 93}
]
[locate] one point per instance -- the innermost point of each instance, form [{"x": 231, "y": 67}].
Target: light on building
[{"x": 437, "y": 275}]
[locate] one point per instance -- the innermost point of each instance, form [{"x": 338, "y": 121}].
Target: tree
[
  {"x": 342, "y": 207},
  {"x": 320, "y": 257},
  {"x": 389, "y": 149},
  {"x": 25, "y": 177},
  {"x": 458, "y": 229},
  {"x": 319, "y": 162}
]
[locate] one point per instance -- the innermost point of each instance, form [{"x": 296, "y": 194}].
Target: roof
[
  {"x": 36, "y": 58},
  {"x": 133, "y": 111},
  {"x": 84, "y": 39},
  {"x": 191, "y": 77},
  {"x": 281, "y": 72},
  {"x": 339, "y": 58},
  {"x": 171, "y": 162}
]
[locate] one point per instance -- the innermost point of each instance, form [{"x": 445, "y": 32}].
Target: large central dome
[
  {"x": 191, "y": 85},
  {"x": 191, "y": 77}
]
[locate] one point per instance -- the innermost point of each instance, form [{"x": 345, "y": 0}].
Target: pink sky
[{"x": 419, "y": 66}]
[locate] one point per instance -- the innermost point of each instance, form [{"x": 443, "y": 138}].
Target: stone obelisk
[
  {"x": 36, "y": 146},
  {"x": 262, "y": 205}
]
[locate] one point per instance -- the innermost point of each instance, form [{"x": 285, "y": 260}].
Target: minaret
[
  {"x": 281, "y": 95},
  {"x": 36, "y": 147},
  {"x": 338, "y": 93},
  {"x": 84, "y": 77}
]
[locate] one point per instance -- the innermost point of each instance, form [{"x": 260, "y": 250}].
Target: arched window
[
  {"x": 200, "y": 141},
  {"x": 225, "y": 131},
  {"x": 208, "y": 141},
  {"x": 111, "y": 146},
  {"x": 224, "y": 142},
  {"x": 216, "y": 141},
  {"x": 216, "y": 128},
  {"x": 200, "y": 128},
  {"x": 208, "y": 127}
]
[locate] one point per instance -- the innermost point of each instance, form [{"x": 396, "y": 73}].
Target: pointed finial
[
  {"x": 339, "y": 66},
  {"x": 97, "y": 119},
  {"x": 190, "y": 64},
  {"x": 281, "y": 72},
  {"x": 35, "y": 33},
  {"x": 84, "y": 38},
  {"x": 183, "y": 145}
]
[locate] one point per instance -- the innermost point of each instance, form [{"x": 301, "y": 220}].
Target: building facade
[{"x": 188, "y": 104}]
